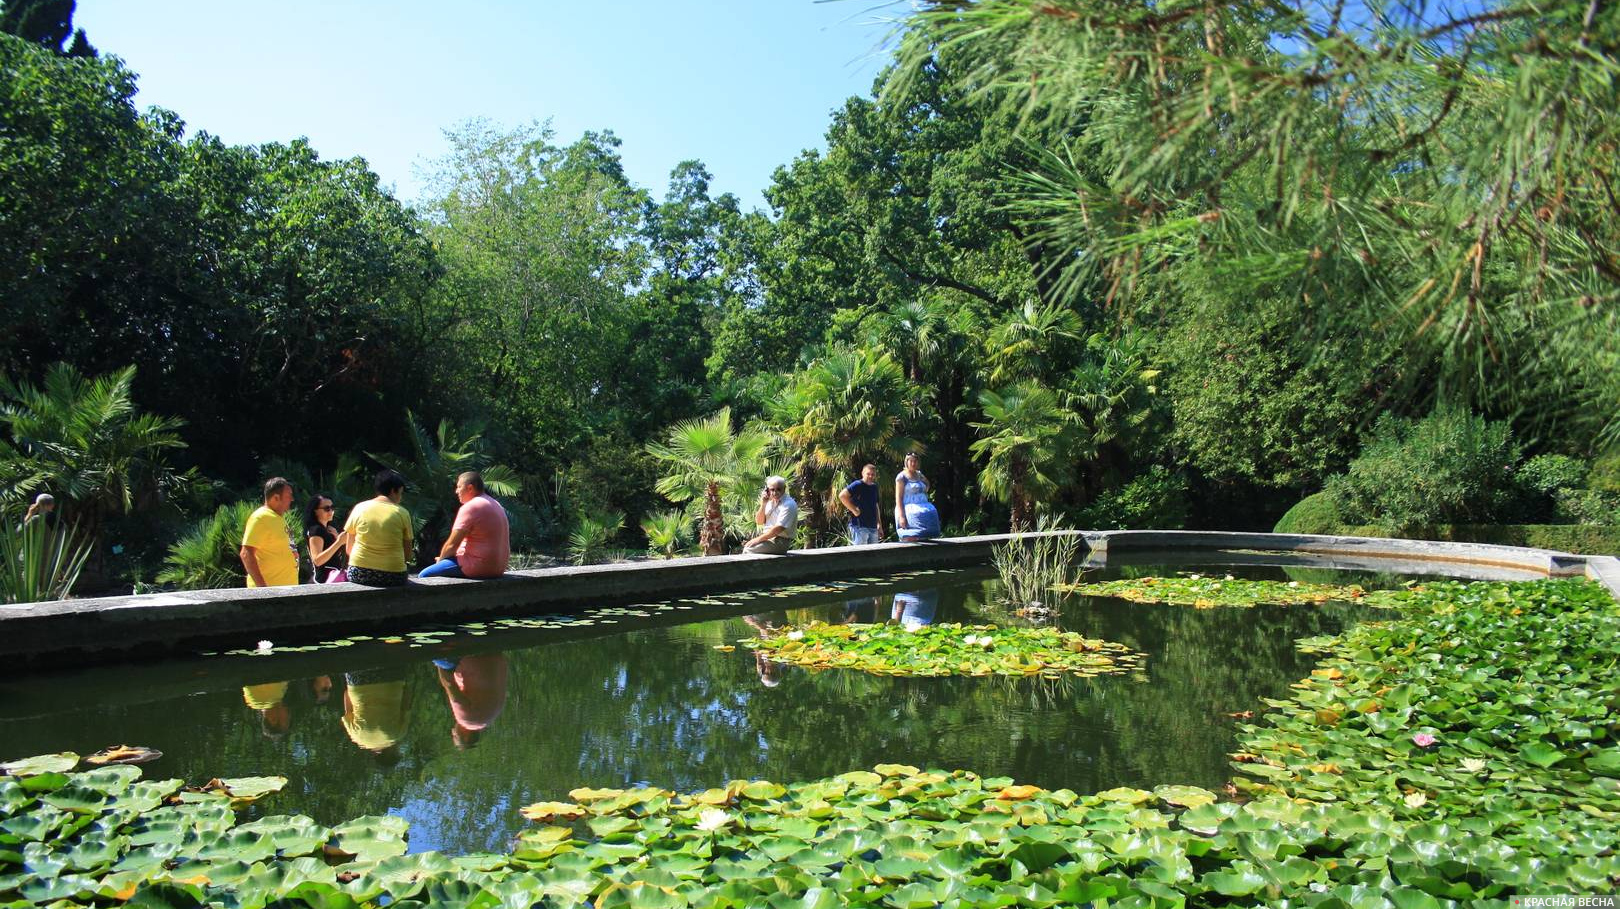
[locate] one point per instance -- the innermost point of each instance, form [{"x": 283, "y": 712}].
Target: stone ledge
[{"x": 109, "y": 628}]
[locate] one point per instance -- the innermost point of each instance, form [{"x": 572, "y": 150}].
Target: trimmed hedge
[
  {"x": 1312, "y": 514},
  {"x": 1583, "y": 539}
]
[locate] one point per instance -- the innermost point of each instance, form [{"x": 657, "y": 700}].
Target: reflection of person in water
[
  {"x": 916, "y": 609},
  {"x": 374, "y": 711},
  {"x": 860, "y": 612},
  {"x": 476, "y": 687},
  {"x": 270, "y": 699},
  {"x": 767, "y": 624}
]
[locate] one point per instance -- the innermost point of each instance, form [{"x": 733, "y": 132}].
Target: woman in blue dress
[{"x": 914, "y": 516}]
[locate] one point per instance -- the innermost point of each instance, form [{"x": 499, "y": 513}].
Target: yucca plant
[
  {"x": 39, "y": 563},
  {"x": 588, "y": 543},
  {"x": 667, "y": 533}
]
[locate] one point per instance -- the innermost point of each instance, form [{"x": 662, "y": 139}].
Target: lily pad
[{"x": 40, "y": 764}]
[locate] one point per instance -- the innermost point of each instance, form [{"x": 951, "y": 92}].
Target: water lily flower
[
  {"x": 1230, "y": 578},
  {"x": 1416, "y": 799},
  {"x": 265, "y": 646},
  {"x": 1197, "y": 577},
  {"x": 1473, "y": 765},
  {"x": 1423, "y": 740},
  {"x": 712, "y": 819},
  {"x": 795, "y": 635},
  {"x": 1293, "y": 583}
]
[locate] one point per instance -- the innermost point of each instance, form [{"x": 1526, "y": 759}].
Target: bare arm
[
  {"x": 250, "y": 561},
  {"x": 900, "y": 503},
  {"x": 849, "y": 503},
  {"x": 450, "y": 545},
  {"x": 321, "y": 556}
]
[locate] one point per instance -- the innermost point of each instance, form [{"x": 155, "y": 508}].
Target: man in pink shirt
[{"x": 480, "y": 542}]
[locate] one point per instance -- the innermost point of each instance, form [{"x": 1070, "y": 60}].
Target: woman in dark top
[{"x": 325, "y": 541}]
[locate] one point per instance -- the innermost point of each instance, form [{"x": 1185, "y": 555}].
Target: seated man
[
  {"x": 480, "y": 542},
  {"x": 778, "y": 518}
]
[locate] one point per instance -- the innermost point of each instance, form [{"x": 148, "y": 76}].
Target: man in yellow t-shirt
[{"x": 267, "y": 551}]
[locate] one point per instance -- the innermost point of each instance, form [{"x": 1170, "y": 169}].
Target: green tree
[
  {"x": 1024, "y": 448},
  {"x": 1443, "y": 172},
  {"x": 540, "y": 245},
  {"x": 704, "y": 460},
  {"x": 84, "y": 439},
  {"x": 430, "y": 470},
  {"x": 847, "y": 407},
  {"x": 48, "y": 23},
  {"x": 1034, "y": 342}
]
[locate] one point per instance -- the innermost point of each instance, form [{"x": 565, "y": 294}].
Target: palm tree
[
  {"x": 846, "y": 408},
  {"x": 703, "y": 459},
  {"x": 84, "y": 439},
  {"x": 666, "y": 533},
  {"x": 1030, "y": 343},
  {"x": 430, "y": 472},
  {"x": 1026, "y": 434}
]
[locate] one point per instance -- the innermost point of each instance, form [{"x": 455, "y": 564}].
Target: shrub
[
  {"x": 1586, "y": 506},
  {"x": 1547, "y": 474},
  {"x": 206, "y": 557},
  {"x": 588, "y": 543},
  {"x": 1450, "y": 467},
  {"x": 1312, "y": 514},
  {"x": 1155, "y": 500},
  {"x": 1605, "y": 473}
]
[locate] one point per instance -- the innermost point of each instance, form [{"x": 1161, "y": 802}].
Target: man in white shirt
[{"x": 777, "y": 517}]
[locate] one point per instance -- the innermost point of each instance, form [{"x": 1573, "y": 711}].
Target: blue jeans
[
  {"x": 444, "y": 568},
  {"x": 861, "y": 536}
]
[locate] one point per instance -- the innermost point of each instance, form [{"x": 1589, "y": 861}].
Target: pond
[{"x": 455, "y": 732}]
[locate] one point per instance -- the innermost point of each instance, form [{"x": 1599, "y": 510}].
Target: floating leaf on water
[
  {"x": 41, "y": 764},
  {"x": 1185, "y": 796},
  {"x": 546, "y": 811}
]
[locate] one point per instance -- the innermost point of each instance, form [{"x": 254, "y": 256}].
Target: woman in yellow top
[{"x": 379, "y": 532}]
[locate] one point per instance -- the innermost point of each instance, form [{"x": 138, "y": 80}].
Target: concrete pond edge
[{"x": 114, "y": 628}]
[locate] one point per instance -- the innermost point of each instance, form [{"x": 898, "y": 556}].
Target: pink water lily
[{"x": 1423, "y": 740}]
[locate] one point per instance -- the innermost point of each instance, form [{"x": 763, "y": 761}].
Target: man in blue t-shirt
[{"x": 860, "y": 499}]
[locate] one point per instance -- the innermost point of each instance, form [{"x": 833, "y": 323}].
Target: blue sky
[{"x": 742, "y": 85}]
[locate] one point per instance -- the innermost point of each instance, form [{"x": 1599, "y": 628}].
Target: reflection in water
[
  {"x": 663, "y": 706},
  {"x": 767, "y": 624},
  {"x": 863, "y": 611},
  {"x": 270, "y": 700},
  {"x": 916, "y": 609},
  {"x": 476, "y": 688},
  {"x": 374, "y": 711}
]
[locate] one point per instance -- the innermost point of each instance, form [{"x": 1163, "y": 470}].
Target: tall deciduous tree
[{"x": 540, "y": 246}]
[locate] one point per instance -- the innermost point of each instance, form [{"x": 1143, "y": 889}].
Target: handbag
[{"x": 341, "y": 576}]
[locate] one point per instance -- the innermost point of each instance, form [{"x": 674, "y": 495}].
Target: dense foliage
[{"x": 1178, "y": 291}]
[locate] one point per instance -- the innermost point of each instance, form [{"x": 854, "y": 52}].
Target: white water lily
[
  {"x": 1197, "y": 577},
  {"x": 795, "y": 635},
  {"x": 712, "y": 819},
  {"x": 1293, "y": 583},
  {"x": 1230, "y": 578},
  {"x": 1416, "y": 799},
  {"x": 1473, "y": 765},
  {"x": 266, "y": 645}
]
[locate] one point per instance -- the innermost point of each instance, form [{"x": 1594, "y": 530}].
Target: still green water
[{"x": 642, "y": 696}]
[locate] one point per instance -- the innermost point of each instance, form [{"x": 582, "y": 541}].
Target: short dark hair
[
  {"x": 387, "y": 481},
  {"x": 864, "y": 466},
  {"x": 274, "y": 486},
  {"x": 474, "y": 479}
]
